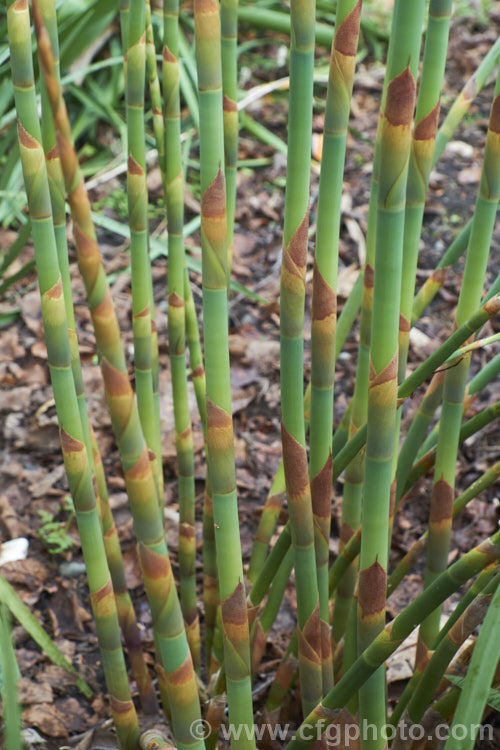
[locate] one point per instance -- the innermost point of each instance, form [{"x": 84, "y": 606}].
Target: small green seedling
[{"x": 54, "y": 534}]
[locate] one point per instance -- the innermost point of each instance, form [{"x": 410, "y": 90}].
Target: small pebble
[
  {"x": 460, "y": 148},
  {"x": 71, "y": 569}
]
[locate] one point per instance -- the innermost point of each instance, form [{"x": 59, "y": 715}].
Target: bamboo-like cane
[
  {"x": 469, "y": 428},
  {"x": 219, "y": 416},
  {"x": 426, "y": 294},
  {"x": 422, "y": 151},
  {"x": 434, "y": 62},
  {"x": 210, "y": 588},
  {"x": 142, "y": 306},
  {"x": 174, "y": 194},
  {"x": 412, "y": 446},
  {"x": 404, "y": 49},
  {"x": 126, "y": 614},
  {"x": 392, "y": 636},
  {"x": 479, "y": 381},
  {"x": 276, "y": 495},
  {"x": 229, "y": 41},
  {"x": 417, "y": 430},
  {"x": 167, "y": 136},
  {"x": 412, "y": 382},
  {"x": 58, "y": 352},
  {"x": 155, "y": 92},
  {"x": 474, "y": 692},
  {"x": 448, "y": 647},
  {"x": 395, "y": 142},
  {"x": 423, "y": 371},
  {"x": 302, "y": 18},
  {"x": 456, "y": 113},
  {"x": 141, "y": 488},
  {"x": 324, "y": 299},
  {"x": 456, "y": 377},
  {"x": 433, "y": 284},
  {"x": 413, "y": 686},
  {"x": 285, "y": 677},
  {"x": 124, "y": 606},
  {"x": 465, "y": 98},
  {"x": 404, "y": 566},
  {"x": 267, "y": 523},
  {"x": 268, "y": 615}
]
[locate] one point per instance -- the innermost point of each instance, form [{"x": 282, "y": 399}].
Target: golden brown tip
[
  {"x": 213, "y": 200},
  {"x": 102, "y": 593},
  {"x": 426, "y": 128},
  {"x": 492, "y": 307},
  {"x": 182, "y": 675},
  {"x": 310, "y": 637},
  {"x": 386, "y": 375},
  {"x": 141, "y": 468},
  {"x": 400, "y": 99},
  {"x": 321, "y": 490},
  {"x": 346, "y": 532},
  {"x": 441, "y": 502},
  {"x": 216, "y": 416},
  {"x": 404, "y": 324},
  {"x": 53, "y": 153},
  {"x": 295, "y": 458},
  {"x": 372, "y": 587},
  {"x": 175, "y": 301},
  {"x": 115, "y": 381},
  {"x": 324, "y": 301},
  {"x": 186, "y": 531},
  {"x": 345, "y": 40},
  {"x": 205, "y": 6},
  {"x": 297, "y": 247},
  {"x": 25, "y": 139},
  {"x": 55, "y": 292},
  {"x": 494, "y": 124},
  {"x": 168, "y": 56},
  {"x": 234, "y": 608},
  {"x": 229, "y": 105},
  {"x": 143, "y": 313},
  {"x": 369, "y": 277},
  {"x": 133, "y": 167},
  {"x": 69, "y": 444}
]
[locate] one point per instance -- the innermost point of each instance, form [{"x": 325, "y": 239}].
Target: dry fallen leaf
[
  {"x": 346, "y": 279},
  {"x": 10, "y": 519},
  {"x": 58, "y": 678},
  {"x": 47, "y": 718},
  {"x": 31, "y": 313},
  {"x": 469, "y": 175},
  {"x": 41, "y": 488},
  {"x": 34, "y": 692},
  {"x": 9, "y": 346}
]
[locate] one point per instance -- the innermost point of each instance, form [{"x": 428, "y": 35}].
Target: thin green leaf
[
  {"x": 33, "y": 627},
  {"x": 493, "y": 695},
  {"x": 476, "y": 687},
  {"x": 10, "y": 676}
]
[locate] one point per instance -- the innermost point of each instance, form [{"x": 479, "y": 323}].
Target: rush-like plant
[{"x": 342, "y": 639}]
